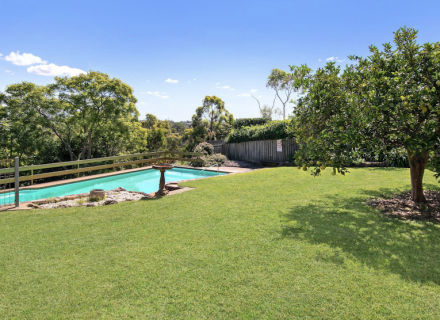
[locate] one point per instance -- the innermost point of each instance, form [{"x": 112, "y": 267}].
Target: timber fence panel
[{"x": 259, "y": 151}]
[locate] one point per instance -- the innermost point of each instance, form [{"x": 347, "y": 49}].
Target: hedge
[
  {"x": 270, "y": 131},
  {"x": 246, "y": 122}
]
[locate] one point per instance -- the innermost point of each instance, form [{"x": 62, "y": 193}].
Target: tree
[
  {"x": 288, "y": 83},
  {"x": 150, "y": 121},
  {"x": 156, "y": 139},
  {"x": 213, "y": 108},
  {"x": 69, "y": 119},
  {"x": 265, "y": 111},
  {"x": 198, "y": 131},
  {"x": 388, "y": 100},
  {"x": 174, "y": 141},
  {"x": 91, "y": 101}
]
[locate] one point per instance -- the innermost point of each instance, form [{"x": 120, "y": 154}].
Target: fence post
[{"x": 17, "y": 181}]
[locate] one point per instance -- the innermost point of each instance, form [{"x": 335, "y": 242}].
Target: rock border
[{"x": 114, "y": 196}]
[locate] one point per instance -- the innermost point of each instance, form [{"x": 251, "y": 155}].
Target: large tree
[
  {"x": 388, "y": 100},
  {"x": 93, "y": 101},
  {"x": 213, "y": 108},
  {"x": 81, "y": 112},
  {"x": 286, "y": 83}
]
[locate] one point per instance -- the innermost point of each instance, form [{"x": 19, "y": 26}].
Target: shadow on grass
[{"x": 359, "y": 232}]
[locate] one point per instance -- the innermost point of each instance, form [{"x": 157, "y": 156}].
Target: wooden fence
[
  {"x": 76, "y": 167},
  {"x": 258, "y": 151}
]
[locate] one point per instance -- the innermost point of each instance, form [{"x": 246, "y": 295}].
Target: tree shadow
[{"x": 357, "y": 231}]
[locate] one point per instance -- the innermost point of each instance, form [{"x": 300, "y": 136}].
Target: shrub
[
  {"x": 216, "y": 158},
  {"x": 205, "y": 148},
  {"x": 210, "y": 158},
  {"x": 246, "y": 122},
  {"x": 270, "y": 131}
]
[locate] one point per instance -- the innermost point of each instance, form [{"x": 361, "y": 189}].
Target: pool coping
[{"x": 23, "y": 205}]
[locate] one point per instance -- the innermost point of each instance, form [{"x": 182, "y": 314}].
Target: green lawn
[{"x": 274, "y": 243}]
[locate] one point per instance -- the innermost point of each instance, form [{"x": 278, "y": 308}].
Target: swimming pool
[{"x": 145, "y": 181}]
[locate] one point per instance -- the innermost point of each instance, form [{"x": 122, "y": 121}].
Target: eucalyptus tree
[
  {"x": 285, "y": 84},
  {"x": 213, "y": 108},
  {"x": 23, "y": 132},
  {"x": 390, "y": 99},
  {"x": 92, "y": 102}
]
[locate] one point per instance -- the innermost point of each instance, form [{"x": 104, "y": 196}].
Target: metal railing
[{"x": 214, "y": 165}]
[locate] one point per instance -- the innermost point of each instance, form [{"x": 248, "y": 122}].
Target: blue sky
[{"x": 224, "y": 48}]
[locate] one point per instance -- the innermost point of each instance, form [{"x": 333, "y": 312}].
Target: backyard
[{"x": 273, "y": 243}]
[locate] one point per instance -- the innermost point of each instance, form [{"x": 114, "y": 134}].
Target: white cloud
[
  {"x": 217, "y": 83},
  {"x": 158, "y": 94},
  {"x": 9, "y": 72},
  {"x": 141, "y": 103},
  {"x": 243, "y": 95},
  {"x": 194, "y": 79},
  {"x": 319, "y": 60},
  {"x": 171, "y": 80},
  {"x": 25, "y": 59},
  {"x": 260, "y": 96},
  {"x": 148, "y": 80},
  {"x": 333, "y": 59},
  {"x": 226, "y": 87},
  {"x": 232, "y": 89},
  {"x": 54, "y": 70},
  {"x": 254, "y": 90},
  {"x": 229, "y": 105}
]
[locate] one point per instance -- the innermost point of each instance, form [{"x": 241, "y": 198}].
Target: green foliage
[
  {"x": 210, "y": 158},
  {"x": 389, "y": 100},
  {"x": 150, "y": 121},
  {"x": 216, "y": 158},
  {"x": 205, "y": 148},
  {"x": 78, "y": 117},
  {"x": 270, "y": 131},
  {"x": 246, "y": 122},
  {"x": 174, "y": 141},
  {"x": 157, "y": 140},
  {"x": 285, "y": 84}
]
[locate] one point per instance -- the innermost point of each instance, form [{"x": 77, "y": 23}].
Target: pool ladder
[{"x": 214, "y": 165}]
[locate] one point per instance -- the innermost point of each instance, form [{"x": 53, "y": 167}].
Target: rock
[
  {"x": 119, "y": 189},
  {"x": 42, "y": 201},
  {"x": 172, "y": 186},
  {"x": 97, "y": 194},
  {"x": 71, "y": 197},
  {"x": 110, "y": 201},
  {"x": 33, "y": 206},
  {"x": 91, "y": 204}
]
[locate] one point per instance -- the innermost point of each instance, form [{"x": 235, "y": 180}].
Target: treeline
[
  {"x": 92, "y": 116},
  {"x": 81, "y": 117}
]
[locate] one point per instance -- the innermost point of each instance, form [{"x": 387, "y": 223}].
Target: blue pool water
[{"x": 145, "y": 181}]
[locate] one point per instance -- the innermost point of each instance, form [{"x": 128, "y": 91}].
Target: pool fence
[{"x": 11, "y": 176}]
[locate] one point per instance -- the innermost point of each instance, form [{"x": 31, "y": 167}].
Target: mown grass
[{"x": 274, "y": 243}]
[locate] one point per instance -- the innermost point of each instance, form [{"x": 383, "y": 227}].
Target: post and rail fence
[{"x": 11, "y": 175}]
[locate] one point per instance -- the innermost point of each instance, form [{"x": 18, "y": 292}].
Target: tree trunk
[{"x": 417, "y": 165}]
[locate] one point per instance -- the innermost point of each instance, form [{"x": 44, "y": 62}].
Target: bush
[
  {"x": 246, "y": 122},
  {"x": 271, "y": 131},
  {"x": 205, "y": 147},
  {"x": 216, "y": 158},
  {"x": 210, "y": 158}
]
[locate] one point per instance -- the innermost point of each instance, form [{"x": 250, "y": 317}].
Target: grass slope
[{"x": 274, "y": 243}]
